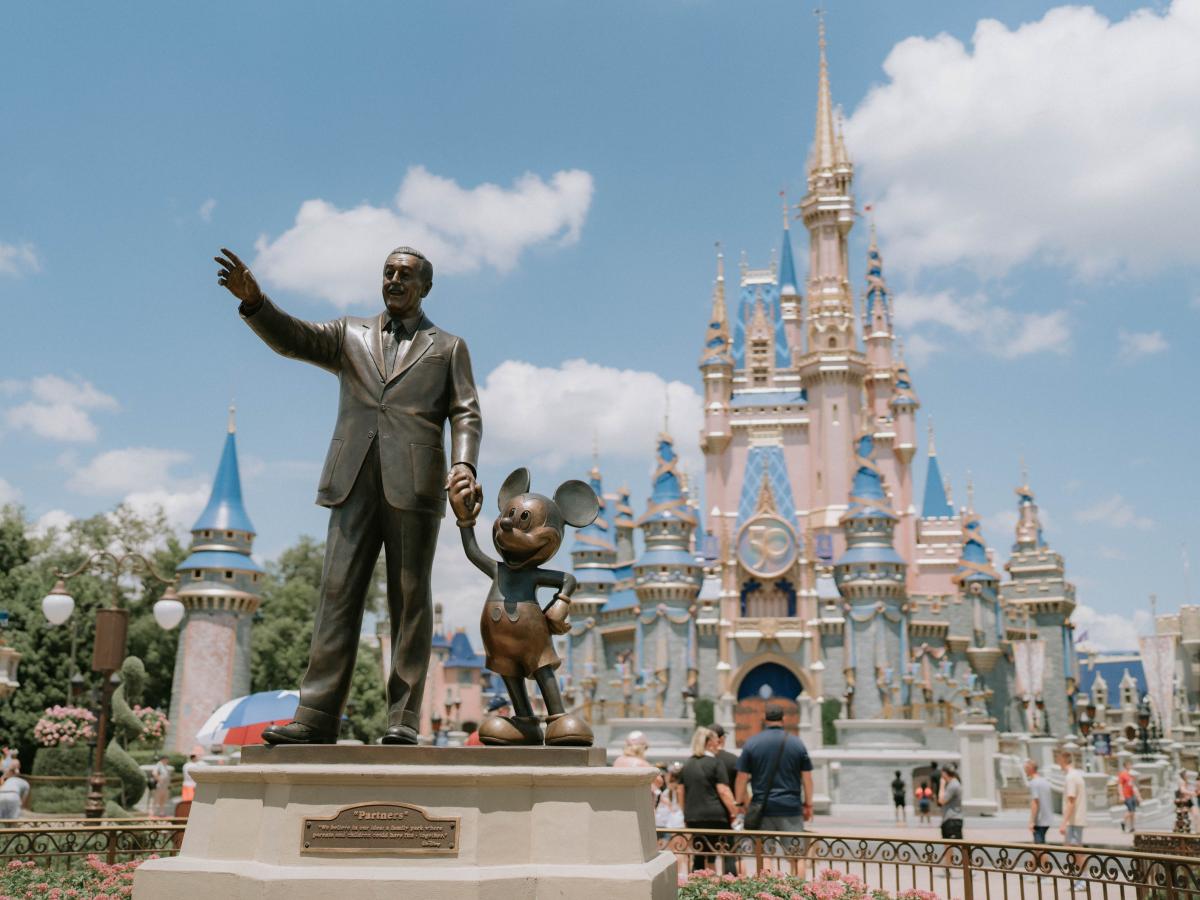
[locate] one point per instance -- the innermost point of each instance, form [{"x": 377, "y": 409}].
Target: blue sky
[{"x": 1033, "y": 178}]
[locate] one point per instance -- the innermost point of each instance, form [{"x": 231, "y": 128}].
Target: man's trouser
[{"x": 358, "y": 527}]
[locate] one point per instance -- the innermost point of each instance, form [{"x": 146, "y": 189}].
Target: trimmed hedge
[{"x": 67, "y": 797}]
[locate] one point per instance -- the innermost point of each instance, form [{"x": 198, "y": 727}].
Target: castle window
[
  {"x": 229, "y": 534},
  {"x": 197, "y": 574},
  {"x": 207, "y": 534},
  {"x": 228, "y": 575},
  {"x": 832, "y": 342}
]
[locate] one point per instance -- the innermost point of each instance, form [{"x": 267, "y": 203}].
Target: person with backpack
[
  {"x": 776, "y": 767},
  {"x": 924, "y": 802}
]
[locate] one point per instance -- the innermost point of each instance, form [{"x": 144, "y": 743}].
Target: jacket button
[
  {"x": 370, "y": 434},
  {"x": 382, "y": 408}
]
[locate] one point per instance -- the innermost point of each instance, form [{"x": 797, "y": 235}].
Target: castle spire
[
  {"x": 936, "y": 504},
  {"x": 716, "y": 344},
  {"x": 225, "y": 510},
  {"x": 232, "y": 418},
  {"x": 1029, "y": 525},
  {"x": 824, "y": 145},
  {"x": 788, "y": 284}
]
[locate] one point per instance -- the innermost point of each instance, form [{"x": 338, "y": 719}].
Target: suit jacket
[{"x": 405, "y": 410}]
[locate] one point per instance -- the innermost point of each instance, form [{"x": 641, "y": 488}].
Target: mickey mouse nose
[{"x": 506, "y": 523}]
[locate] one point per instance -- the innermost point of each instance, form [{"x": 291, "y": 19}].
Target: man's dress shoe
[
  {"x": 400, "y": 734},
  {"x": 296, "y": 733}
]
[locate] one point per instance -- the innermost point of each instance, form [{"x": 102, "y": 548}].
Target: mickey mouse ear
[
  {"x": 577, "y": 502},
  {"x": 516, "y": 484}
]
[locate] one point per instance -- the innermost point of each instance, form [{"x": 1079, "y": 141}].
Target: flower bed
[
  {"x": 829, "y": 884},
  {"x": 65, "y": 726},
  {"x": 154, "y": 725},
  {"x": 95, "y": 880}
]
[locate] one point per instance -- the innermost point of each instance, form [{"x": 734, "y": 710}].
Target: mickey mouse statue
[{"x": 516, "y": 630}]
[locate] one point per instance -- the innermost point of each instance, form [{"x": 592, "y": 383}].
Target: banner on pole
[{"x": 1158, "y": 662}]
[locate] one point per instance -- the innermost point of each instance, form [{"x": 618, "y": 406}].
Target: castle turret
[
  {"x": 667, "y": 571},
  {"x": 978, "y": 583},
  {"x": 716, "y": 367},
  {"x": 219, "y": 586},
  {"x": 1039, "y": 598},
  {"x": 594, "y": 555},
  {"x": 870, "y": 576}
]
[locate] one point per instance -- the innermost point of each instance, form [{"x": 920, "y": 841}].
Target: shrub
[
  {"x": 154, "y": 725},
  {"x": 94, "y": 879},
  {"x": 831, "y": 708},
  {"x": 65, "y": 726},
  {"x": 703, "y": 709},
  {"x": 67, "y": 797}
]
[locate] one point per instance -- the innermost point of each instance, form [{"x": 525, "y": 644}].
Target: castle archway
[{"x": 767, "y": 681}]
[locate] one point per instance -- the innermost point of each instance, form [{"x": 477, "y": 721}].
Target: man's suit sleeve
[
  {"x": 319, "y": 343},
  {"x": 465, "y": 423}
]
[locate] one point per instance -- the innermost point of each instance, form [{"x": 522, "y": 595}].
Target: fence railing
[
  {"x": 958, "y": 869},
  {"x": 60, "y": 842}
]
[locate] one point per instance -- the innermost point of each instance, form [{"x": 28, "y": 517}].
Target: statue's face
[{"x": 403, "y": 285}]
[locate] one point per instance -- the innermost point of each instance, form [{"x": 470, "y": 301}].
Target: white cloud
[
  {"x": 18, "y": 259},
  {"x": 1109, "y": 631},
  {"x": 1134, "y": 345},
  {"x": 337, "y": 254},
  {"x": 1115, "y": 553},
  {"x": 457, "y": 584},
  {"x": 57, "y": 408},
  {"x": 206, "y": 209},
  {"x": 1067, "y": 139},
  {"x": 180, "y": 507},
  {"x": 1116, "y": 512},
  {"x": 549, "y": 416},
  {"x": 8, "y": 493},
  {"x": 133, "y": 469},
  {"x": 994, "y": 329},
  {"x": 52, "y": 520}
]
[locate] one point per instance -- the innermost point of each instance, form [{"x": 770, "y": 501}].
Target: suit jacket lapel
[
  {"x": 373, "y": 338},
  {"x": 421, "y": 342}
]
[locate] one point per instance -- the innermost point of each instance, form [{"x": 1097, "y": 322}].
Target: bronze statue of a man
[{"x": 384, "y": 480}]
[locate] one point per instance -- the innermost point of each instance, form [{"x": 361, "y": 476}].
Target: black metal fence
[
  {"x": 59, "y": 843},
  {"x": 957, "y": 869}
]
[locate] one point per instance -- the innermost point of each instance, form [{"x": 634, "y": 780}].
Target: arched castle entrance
[{"x": 767, "y": 682}]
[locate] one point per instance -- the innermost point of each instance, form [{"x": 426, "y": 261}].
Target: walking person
[
  {"x": 776, "y": 768},
  {"x": 728, "y": 760},
  {"x": 705, "y": 795},
  {"x": 950, "y": 800},
  {"x": 160, "y": 795},
  {"x": 188, "y": 792},
  {"x": 1041, "y": 810},
  {"x": 1130, "y": 795},
  {"x": 898, "y": 799},
  {"x": 924, "y": 802},
  {"x": 1075, "y": 811},
  {"x": 14, "y": 791}
]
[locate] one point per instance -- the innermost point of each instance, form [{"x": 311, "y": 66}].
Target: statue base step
[{"x": 486, "y": 823}]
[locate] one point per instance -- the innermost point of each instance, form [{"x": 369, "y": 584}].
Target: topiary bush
[
  {"x": 831, "y": 708},
  {"x": 127, "y": 727}
]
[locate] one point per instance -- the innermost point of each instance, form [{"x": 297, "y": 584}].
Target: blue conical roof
[
  {"x": 225, "y": 510},
  {"x": 788, "y": 284},
  {"x": 936, "y": 504},
  {"x": 973, "y": 563}
]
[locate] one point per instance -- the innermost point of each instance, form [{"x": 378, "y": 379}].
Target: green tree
[{"x": 28, "y": 563}]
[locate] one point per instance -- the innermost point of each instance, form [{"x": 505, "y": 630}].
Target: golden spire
[
  {"x": 932, "y": 448},
  {"x": 840, "y": 154},
  {"x": 970, "y": 492},
  {"x": 232, "y": 417},
  {"x": 783, "y": 198},
  {"x": 824, "y": 151}
]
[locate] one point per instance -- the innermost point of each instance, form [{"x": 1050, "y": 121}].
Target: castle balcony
[
  {"x": 984, "y": 659},
  {"x": 928, "y": 629},
  {"x": 751, "y": 633}
]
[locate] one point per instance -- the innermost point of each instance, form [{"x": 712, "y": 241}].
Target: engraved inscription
[{"x": 381, "y": 828}]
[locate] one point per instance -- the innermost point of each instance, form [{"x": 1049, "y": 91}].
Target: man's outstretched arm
[{"x": 319, "y": 343}]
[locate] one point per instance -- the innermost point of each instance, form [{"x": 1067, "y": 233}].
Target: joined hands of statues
[
  {"x": 466, "y": 496},
  {"x": 236, "y": 278}
]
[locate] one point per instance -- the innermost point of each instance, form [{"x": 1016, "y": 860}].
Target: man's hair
[
  {"x": 1031, "y": 764},
  {"x": 951, "y": 771},
  {"x": 426, "y": 265},
  {"x": 717, "y": 729},
  {"x": 774, "y": 713}
]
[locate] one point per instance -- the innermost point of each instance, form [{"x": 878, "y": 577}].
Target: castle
[{"x": 813, "y": 579}]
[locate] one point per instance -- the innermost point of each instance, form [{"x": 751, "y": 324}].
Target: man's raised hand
[{"x": 235, "y": 277}]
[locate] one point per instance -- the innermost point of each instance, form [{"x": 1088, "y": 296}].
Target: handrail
[{"x": 950, "y": 868}]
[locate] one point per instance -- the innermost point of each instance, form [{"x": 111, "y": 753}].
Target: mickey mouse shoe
[
  {"x": 511, "y": 731},
  {"x": 566, "y": 730}
]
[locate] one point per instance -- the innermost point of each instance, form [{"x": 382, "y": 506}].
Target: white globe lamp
[
  {"x": 58, "y": 605},
  {"x": 168, "y": 611}
]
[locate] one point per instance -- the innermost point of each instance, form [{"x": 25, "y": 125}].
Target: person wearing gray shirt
[
  {"x": 1041, "y": 807},
  {"x": 950, "y": 799}
]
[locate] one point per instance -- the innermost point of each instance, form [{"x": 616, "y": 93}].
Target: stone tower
[{"x": 219, "y": 585}]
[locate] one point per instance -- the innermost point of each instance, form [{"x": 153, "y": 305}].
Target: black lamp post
[
  {"x": 108, "y": 651},
  {"x": 1143, "y": 717}
]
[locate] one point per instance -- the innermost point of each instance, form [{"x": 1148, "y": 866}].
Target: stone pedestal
[
  {"x": 532, "y": 823},
  {"x": 977, "y": 746}
]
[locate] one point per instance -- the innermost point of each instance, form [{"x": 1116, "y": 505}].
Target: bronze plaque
[{"x": 397, "y": 829}]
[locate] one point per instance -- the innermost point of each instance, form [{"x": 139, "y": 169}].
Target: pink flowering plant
[
  {"x": 65, "y": 726},
  {"x": 94, "y": 880},
  {"x": 829, "y": 884},
  {"x": 154, "y": 725}
]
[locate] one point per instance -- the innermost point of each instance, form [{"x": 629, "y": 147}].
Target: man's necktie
[{"x": 396, "y": 335}]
